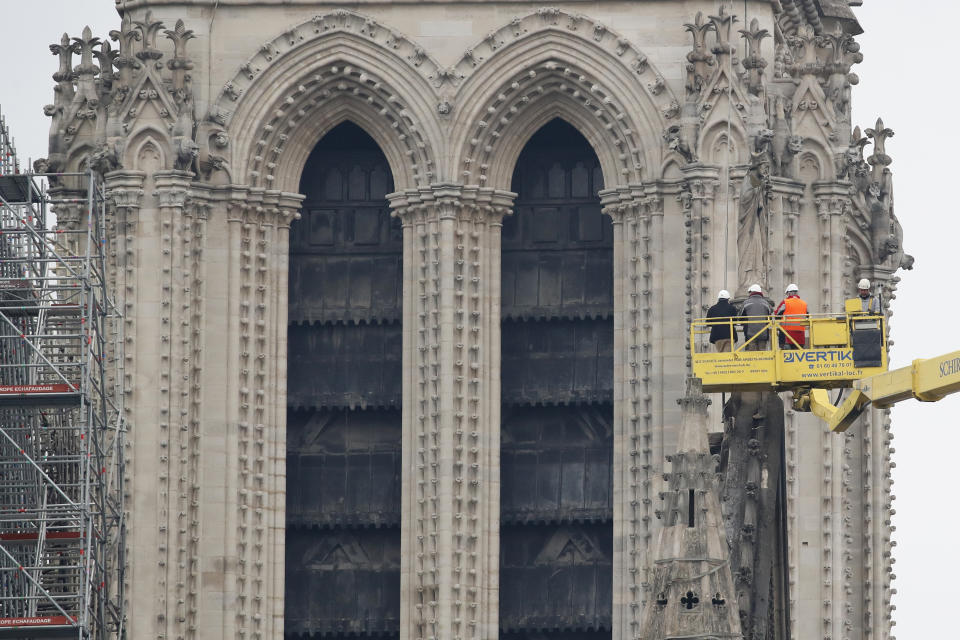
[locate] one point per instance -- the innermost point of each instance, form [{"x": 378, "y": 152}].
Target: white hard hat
[
  {"x": 754, "y": 288},
  {"x": 724, "y": 295},
  {"x": 792, "y": 287},
  {"x": 863, "y": 284}
]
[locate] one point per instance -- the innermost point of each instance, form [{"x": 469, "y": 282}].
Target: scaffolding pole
[{"x": 61, "y": 419}]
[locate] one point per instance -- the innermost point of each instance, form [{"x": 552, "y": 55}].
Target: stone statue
[
  {"x": 752, "y": 224},
  {"x": 675, "y": 142},
  {"x": 784, "y": 146}
]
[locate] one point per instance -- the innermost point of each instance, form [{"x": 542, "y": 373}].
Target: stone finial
[
  {"x": 753, "y": 62},
  {"x": 125, "y": 38},
  {"x": 107, "y": 58},
  {"x": 148, "y": 28},
  {"x": 853, "y": 166},
  {"x": 858, "y": 141},
  {"x": 879, "y": 134},
  {"x": 85, "y": 45},
  {"x": 180, "y": 35},
  {"x": 179, "y": 64},
  {"x": 699, "y": 58},
  {"x": 844, "y": 50},
  {"x": 86, "y": 70},
  {"x": 804, "y": 49},
  {"x": 64, "y": 50},
  {"x": 723, "y": 26},
  {"x": 63, "y": 95},
  {"x": 844, "y": 53}
]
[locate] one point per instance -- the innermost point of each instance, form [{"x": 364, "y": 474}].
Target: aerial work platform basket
[
  {"x": 836, "y": 350},
  {"x": 61, "y": 419}
]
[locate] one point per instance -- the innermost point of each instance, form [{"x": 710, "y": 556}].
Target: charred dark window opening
[
  {"x": 343, "y": 397},
  {"x": 557, "y": 394},
  {"x": 690, "y": 507}
]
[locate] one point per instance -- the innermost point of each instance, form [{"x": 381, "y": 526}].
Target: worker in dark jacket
[
  {"x": 720, "y": 335},
  {"x": 757, "y": 309}
]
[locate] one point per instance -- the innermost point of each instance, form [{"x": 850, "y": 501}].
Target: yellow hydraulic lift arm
[
  {"x": 927, "y": 380},
  {"x": 837, "y": 351}
]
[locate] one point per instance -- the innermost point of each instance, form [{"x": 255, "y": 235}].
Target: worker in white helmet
[
  {"x": 868, "y": 303},
  {"x": 794, "y": 308},
  {"x": 756, "y": 310},
  {"x": 721, "y": 335}
]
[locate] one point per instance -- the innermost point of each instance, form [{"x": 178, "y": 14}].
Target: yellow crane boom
[
  {"x": 927, "y": 380},
  {"x": 836, "y": 351}
]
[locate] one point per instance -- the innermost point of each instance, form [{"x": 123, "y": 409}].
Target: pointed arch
[
  {"x": 555, "y": 107},
  {"x": 313, "y": 77},
  {"x": 715, "y": 136},
  {"x": 671, "y": 168},
  {"x": 814, "y": 120},
  {"x": 139, "y": 142},
  {"x": 724, "y": 102},
  {"x": 348, "y": 109},
  {"x": 79, "y": 156},
  {"x": 859, "y": 245},
  {"x": 815, "y": 154},
  {"x": 547, "y": 73}
]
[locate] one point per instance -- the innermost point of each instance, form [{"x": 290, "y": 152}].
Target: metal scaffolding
[
  {"x": 61, "y": 420},
  {"x": 8, "y": 154}
]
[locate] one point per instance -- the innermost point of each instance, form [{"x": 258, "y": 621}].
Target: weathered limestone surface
[
  {"x": 202, "y": 120},
  {"x": 693, "y": 577},
  {"x": 451, "y": 493}
]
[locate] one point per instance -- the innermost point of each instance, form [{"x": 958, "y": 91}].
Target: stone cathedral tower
[{"x": 407, "y": 287}]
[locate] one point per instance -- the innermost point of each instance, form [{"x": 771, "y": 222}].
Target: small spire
[
  {"x": 693, "y": 423},
  {"x": 692, "y": 588}
]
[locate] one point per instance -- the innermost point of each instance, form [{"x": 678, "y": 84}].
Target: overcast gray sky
[{"x": 907, "y": 78}]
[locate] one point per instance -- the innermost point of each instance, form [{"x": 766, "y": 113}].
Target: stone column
[
  {"x": 704, "y": 254},
  {"x": 173, "y": 433},
  {"x": 202, "y": 278},
  {"x": 227, "y": 594},
  {"x": 833, "y": 206},
  {"x": 123, "y": 191},
  {"x": 451, "y": 411},
  {"x": 633, "y": 430},
  {"x": 841, "y": 454},
  {"x": 124, "y": 194},
  {"x": 638, "y": 365},
  {"x": 877, "y": 489},
  {"x": 162, "y": 469},
  {"x": 702, "y": 183},
  {"x": 785, "y": 195},
  {"x": 286, "y": 209},
  {"x": 254, "y": 473},
  {"x": 878, "y": 546}
]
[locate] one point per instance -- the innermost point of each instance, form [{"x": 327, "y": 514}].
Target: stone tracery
[
  {"x": 340, "y": 68},
  {"x": 603, "y": 90},
  {"x": 569, "y": 92}
]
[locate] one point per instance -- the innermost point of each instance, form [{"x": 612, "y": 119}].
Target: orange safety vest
[{"x": 794, "y": 308}]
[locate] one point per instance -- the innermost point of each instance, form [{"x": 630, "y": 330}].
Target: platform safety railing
[{"x": 776, "y": 333}]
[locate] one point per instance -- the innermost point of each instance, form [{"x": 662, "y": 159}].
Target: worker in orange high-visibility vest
[{"x": 792, "y": 307}]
